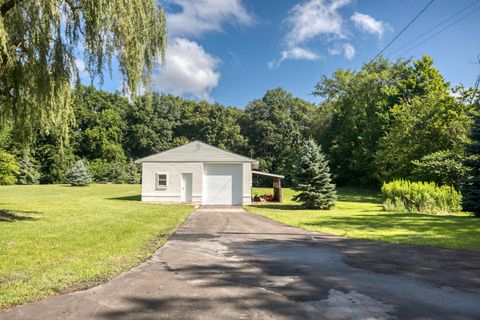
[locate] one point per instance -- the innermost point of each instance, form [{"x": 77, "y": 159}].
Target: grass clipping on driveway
[
  {"x": 359, "y": 214},
  {"x": 57, "y": 238}
]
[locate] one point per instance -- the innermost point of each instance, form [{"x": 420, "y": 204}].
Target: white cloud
[
  {"x": 309, "y": 20},
  {"x": 369, "y": 24},
  {"x": 299, "y": 53},
  {"x": 314, "y": 18},
  {"x": 295, "y": 53},
  {"x": 349, "y": 51},
  {"x": 188, "y": 70},
  {"x": 200, "y": 16},
  {"x": 346, "y": 49}
]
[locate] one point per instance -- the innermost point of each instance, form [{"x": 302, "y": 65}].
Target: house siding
[
  {"x": 247, "y": 183},
  {"x": 174, "y": 170},
  {"x": 172, "y": 193}
]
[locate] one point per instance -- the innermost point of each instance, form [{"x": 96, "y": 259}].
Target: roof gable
[{"x": 196, "y": 151}]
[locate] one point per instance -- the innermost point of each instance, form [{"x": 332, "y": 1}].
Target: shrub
[
  {"x": 133, "y": 173},
  {"x": 114, "y": 172},
  {"x": 9, "y": 168},
  {"x": 103, "y": 171},
  {"x": 442, "y": 167},
  {"x": 79, "y": 176},
  {"x": 424, "y": 197}
]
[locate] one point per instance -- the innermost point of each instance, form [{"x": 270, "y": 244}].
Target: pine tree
[
  {"x": 312, "y": 178},
  {"x": 79, "y": 175},
  {"x": 29, "y": 173},
  {"x": 471, "y": 186}
]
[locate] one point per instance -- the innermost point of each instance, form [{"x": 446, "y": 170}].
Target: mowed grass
[
  {"x": 359, "y": 214},
  {"x": 57, "y": 238}
]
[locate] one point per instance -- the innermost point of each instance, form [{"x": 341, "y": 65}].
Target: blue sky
[{"x": 232, "y": 51}]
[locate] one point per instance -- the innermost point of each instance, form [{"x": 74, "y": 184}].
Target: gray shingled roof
[{"x": 197, "y": 151}]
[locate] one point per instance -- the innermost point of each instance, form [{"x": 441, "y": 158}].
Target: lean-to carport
[{"x": 277, "y": 183}]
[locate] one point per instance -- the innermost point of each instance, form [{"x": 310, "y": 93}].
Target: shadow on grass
[
  {"x": 8, "y": 216},
  {"x": 136, "y": 197}
]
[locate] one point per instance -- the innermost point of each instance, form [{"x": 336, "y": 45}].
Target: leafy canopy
[
  {"x": 442, "y": 167},
  {"x": 373, "y": 123},
  {"x": 274, "y": 126},
  {"x": 9, "y": 168},
  {"x": 420, "y": 127},
  {"x": 38, "y": 41}
]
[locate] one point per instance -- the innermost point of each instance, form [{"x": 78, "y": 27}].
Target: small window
[{"x": 161, "y": 180}]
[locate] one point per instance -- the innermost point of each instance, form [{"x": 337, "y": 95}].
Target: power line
[
  {"x": 404, "y": 28},
  {"x": 435, "y": 27},
  {"x": 440, "y": 31},
  {"x": 393, "y": 40}
]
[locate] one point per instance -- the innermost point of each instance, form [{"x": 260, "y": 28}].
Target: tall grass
[{"x": 420, "y": 197}]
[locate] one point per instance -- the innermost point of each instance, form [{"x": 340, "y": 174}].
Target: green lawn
[
  {"x": 359, "y": 214},
  {"x": 56, "y": 238}
]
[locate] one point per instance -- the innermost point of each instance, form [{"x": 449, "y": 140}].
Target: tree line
[{"x": 389, "y": 120}]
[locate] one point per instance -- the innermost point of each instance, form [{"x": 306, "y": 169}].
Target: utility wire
[
  {"x": 390, "y": 43},
  {"x": 440, "y": 31},
  {"x": 404, "y": 28},
  {"x": 435, "y": 27}
]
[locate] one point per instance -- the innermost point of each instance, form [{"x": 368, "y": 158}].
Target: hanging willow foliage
[{"x": 38, "y": 44}]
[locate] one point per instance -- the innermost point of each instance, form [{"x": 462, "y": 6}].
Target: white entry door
[
  {"x": 186, "y": 195},
  {"x": 222, "y": 184}
]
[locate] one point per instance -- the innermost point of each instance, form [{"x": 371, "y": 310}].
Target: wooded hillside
[{"x": 387, "y": 121}]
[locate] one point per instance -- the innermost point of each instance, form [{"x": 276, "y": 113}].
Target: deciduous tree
[
  {"x": 38, "y": 44},
  {"x": 9, "y": 168},
  {"x": 421, "y": 126},
  {"x": 274, "y": 125}
]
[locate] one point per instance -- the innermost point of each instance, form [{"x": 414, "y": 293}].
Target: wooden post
[{"x": 277, "y": 190}]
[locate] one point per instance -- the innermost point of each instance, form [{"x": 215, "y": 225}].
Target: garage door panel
[{"x": 223, "y": 184}]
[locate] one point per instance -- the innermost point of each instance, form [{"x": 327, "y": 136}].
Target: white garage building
[{"x": 197, "y": 173}]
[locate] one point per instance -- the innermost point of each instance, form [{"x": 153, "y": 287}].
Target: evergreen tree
[
  {"x": 471, "y": 186},
  {"x": 312, "y": 178},
  {"x": 79, "y": 175},
  {"x": 29, "y": 173}
]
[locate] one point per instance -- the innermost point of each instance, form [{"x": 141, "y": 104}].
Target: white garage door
[{"x": 222, "y": 184}]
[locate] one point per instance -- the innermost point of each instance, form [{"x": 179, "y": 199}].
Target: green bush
[
  {"x": 442, "y": 167},
  {"x": 9, "y": 168},
  {"x": 114, "y": 172},
  {"x": 420, "y": 197}
]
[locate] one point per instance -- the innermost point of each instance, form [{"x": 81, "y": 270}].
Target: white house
[{"x": 197, "y": 173}]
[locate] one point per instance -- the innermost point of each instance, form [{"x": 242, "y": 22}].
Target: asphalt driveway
[{"x": 224, "y": 263}]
